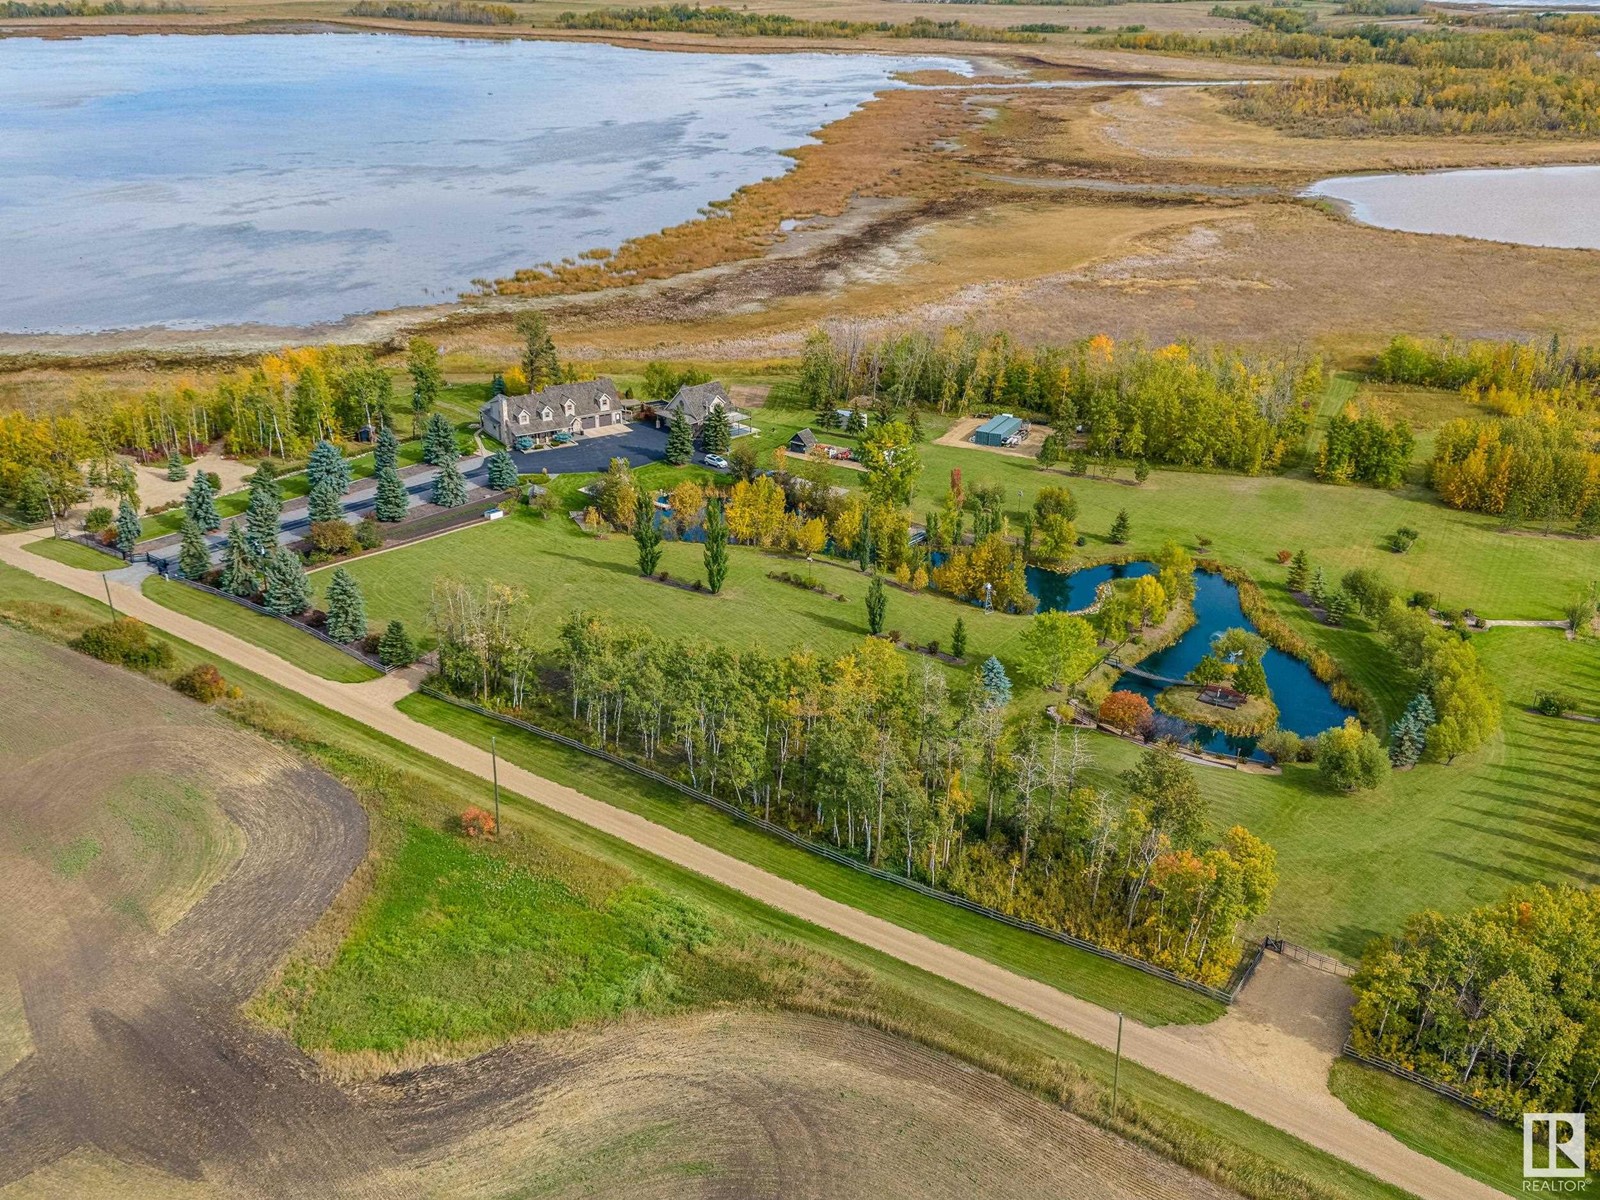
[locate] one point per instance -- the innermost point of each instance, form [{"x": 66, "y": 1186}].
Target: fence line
[
  {"x": 1433, "y": 1085},
  {"x": 1322, "y": 962},
  {"x": 245, "y": 602},
  {"x": 1227, "y": 995}
]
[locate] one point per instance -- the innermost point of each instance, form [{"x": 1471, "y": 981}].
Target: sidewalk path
[{"x": 1319, "y": 1120}]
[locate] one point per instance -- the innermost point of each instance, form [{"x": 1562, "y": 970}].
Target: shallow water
[
  {"x": 294, "y": 179},
  {"x": 1533, "y": 206}
]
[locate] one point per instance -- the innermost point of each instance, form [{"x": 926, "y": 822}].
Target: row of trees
[
  {"x": 879, "y": 758},
  {"x": 1365, "y": 448},
  {"x": 1181, "y": 404},
  {"x": 1539, "y": 469}
]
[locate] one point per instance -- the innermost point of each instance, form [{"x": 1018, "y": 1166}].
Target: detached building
[
  {"x": 592, "y": 406},
  {"x": 997, "y": 431}
]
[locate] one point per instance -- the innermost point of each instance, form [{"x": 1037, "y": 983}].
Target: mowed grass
[
  {"x": 882, "y": 990},
  {"x": 458, "y": 946},
  {"x": 74, "y": 554},
  {"x": 1077, "y": 972},
  {"x": 562, "y": 569},
  {"x": 269, "y": 633},
  {"x": 1487, "y": 1150}
]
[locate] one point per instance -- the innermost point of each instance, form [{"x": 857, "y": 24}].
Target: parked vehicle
[{"x": 716, "y": 462}]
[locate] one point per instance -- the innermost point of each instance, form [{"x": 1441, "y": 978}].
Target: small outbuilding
[
  {"x": 996, "y": 430},
  {"x": 802, "y": 442},
  {"x": 1220, "y": 695}
]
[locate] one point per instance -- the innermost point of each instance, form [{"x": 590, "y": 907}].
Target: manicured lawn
[
  {"x": 562, "y": 569},
  {"x": 269, "y": 633},
  {"x": 1486, "y": 1149},
  {"x": 74, "y": 554},
  {"x": 1077, "y": 972}
]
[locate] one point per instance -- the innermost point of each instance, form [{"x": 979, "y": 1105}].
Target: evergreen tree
[
  {"x": 240, "y": 563},
  {"x": 680, "y": 440},
  {"x": 263, "y": 513},
  {"x": 347, "y": 608},
  {"x": 201, "y": 503},
  {"x": 395, "y": 648},
  {"x": 1336, "y": 607},
  {"x": 387, "y": 451},
  {"x": 324, "y": 504},
  {"x": 958, "y": 639},
  {"x": 1408, "y": 739},
  {"x": 646, "y": 533},
  {"x": 1319, "y": 586},
  {"x": 497, "y": 385},
  {"x": 327, "y": 465},
  {"x": 176, "y": 471},
  {"x": 1121, "y": 527},
  {"x": 194, "y": 558},
  {"x": 33, "y": 496},
  {"x": 427, "y": 378},
  {"x": 438, "y": 441},
  {"x": 877, "y": 605},
  {"x": 717, "y": 433},
  {"x": 716, "y": 556},
  {"x": 1141, "y": 471},
  {"x": 502, "y": 471},
  {"x": 857, "y": 423},
  {"x": 392, "y": 500},
  {"x": 287, "y": 594},
  {"x": 449, "y": 488},
  {"x": 994, "y": 685},
  {"x": 127, "y": 527},
  {"x": 1299, "y": 572},
  {"x": 539, "y": 360},
  {"x": 827, "y": 416}
]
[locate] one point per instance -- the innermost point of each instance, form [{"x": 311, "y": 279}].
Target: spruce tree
[
  {"x": 449, "y": 488},
  {"x": 1299, "y": 572},
  {"x": 176, "y": 471},
  {"x": 646, "y": 533},
  {"x": 717, "y": 433},
  {"x": 502, "y": 471},
  {"x": 680, "y": 440},
  {"x": 395, "y": 648},
  {"x": 347, "y": 608},
  {"x": 1319, "y": 586},
  {"x": 324, "y": 504},
  {"x": 262, "y": 514},
  {"x": 539, "y": 360},
  {"x": 716, "y": 556},
  {"x": 194, "y": 558},
  {"x": 127, "y": 527},
  {"x": 1120, "y": 528},
  {"x": 1336, "y": 607},
  {"x": 327, "y": 464},
  {"x": 201, "y": 503},
  {"x": 877, "y": 605},
  {"x": 438, "y": 441},
  {"x": 958, "y": 639},
  {"x": 287, "y": 594},
  {"x": 392, "y": 500},
  {"x": 240, "y": 563},
  {"x": 994, "y": 684},
  {"x": 387, "y": 451},
  {"x": 857, "y": 422}
]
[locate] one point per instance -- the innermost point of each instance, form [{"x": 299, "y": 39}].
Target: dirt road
[{"x": 1318, "y": 1120}]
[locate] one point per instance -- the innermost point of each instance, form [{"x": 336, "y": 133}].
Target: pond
[
  {"x": 1305, "y": 703},
  {"x": 1532, "y": 206},
  {"x": 290, "y": 179}
]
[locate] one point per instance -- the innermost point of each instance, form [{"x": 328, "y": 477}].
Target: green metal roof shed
[{"x": 996, "y": 430}]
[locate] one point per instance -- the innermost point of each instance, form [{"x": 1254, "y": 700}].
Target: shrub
[
  {"x": 476, "y": 823},
  {"x": 1285, "y": 746},
  {"x": 1127, "y": 711},
  {"x": 369, "y": 534},
  {"x": 98, "y": 519},
  {"x": 1553, "y": 703},
  {"x": 1285, "y": 555},
  {"x": 126, "y": 642},
  {"x": 1350, "y": 757},
  {"x": 332, "y": 538},
  {"x": 203, "y": 683}
]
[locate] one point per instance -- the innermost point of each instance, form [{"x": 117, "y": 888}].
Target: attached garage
[{"x": 996, "y": 430}]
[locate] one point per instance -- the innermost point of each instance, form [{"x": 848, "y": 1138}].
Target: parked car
[{"x": 716, "y": 462}]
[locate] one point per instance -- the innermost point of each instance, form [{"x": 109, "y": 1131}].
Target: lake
[
  {"x": 1533, "y": 206},
  {"x": 286, "y": 179}
]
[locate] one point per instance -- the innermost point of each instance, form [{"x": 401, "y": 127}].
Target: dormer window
[
  {"x": 544, "y": 414},
  {"x": 522, "y": 417},
  {"x": 568, "y": 408},
  {"x": 605, "y": 403}
]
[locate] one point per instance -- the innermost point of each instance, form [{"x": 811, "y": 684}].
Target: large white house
[{"x": 591, "y": 406}]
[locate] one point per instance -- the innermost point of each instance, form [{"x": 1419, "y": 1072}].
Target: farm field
[{"x": 407, "y": 787}]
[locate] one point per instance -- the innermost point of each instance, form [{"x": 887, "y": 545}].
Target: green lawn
[
  {"x": 1079, "y": 973},
  {"x": 1488, "y": 1150},
  {"x": 1211, "y": 1136},
  {"x": 563, "y": 569},
  {"x": 74, "y": 554},
  {"x": 269, "y": 633}
]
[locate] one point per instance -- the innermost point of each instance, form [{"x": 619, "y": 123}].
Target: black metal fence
[
  {"x": 245, "y": 602},
  {"x": 1241, "y": 974}
]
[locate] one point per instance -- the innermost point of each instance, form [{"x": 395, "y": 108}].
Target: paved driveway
[{"x": 641, "y": 444}]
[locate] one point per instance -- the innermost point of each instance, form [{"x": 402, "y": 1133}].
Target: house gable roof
[
  {"x": 696, "y": 400},
  {"x": 587, "y": 397}
]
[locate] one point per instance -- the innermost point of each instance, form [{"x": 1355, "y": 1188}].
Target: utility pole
[
  {"x": 1116, "y": 1067},
  {"x": 494, "y": 765},
  {"x": 111, "y": 604}
]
